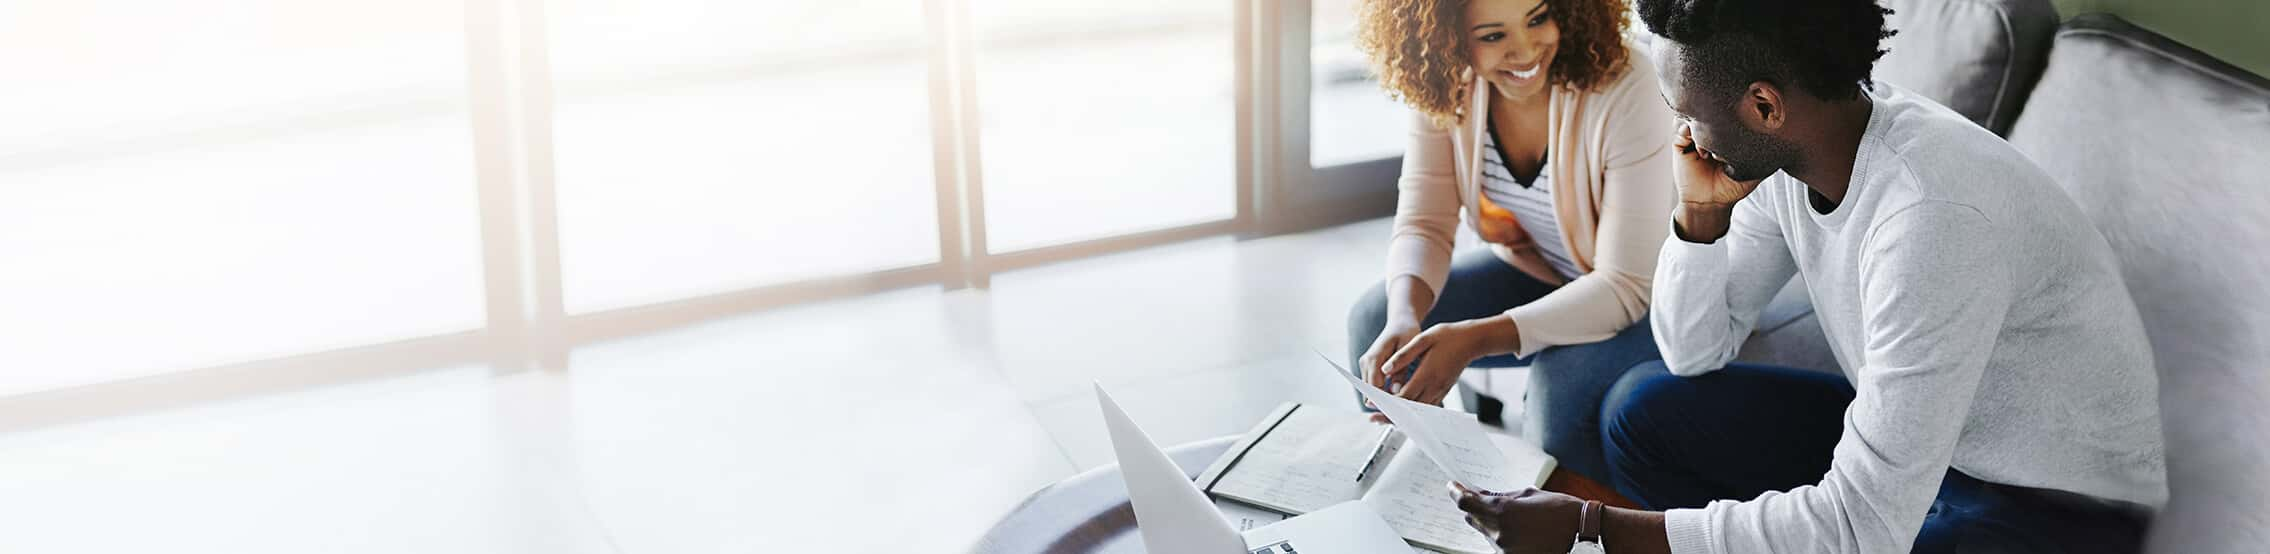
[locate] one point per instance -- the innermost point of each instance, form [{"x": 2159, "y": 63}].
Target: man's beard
[{"x": 1754, "y": 155}]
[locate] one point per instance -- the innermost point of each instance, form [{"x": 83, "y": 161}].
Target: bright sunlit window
[
  {"x": 710, "y": 145},
  {"x": 1103, "y": 117},
  {"x": 281, "y": 176},
  {"x": 1350, "y": 118}
]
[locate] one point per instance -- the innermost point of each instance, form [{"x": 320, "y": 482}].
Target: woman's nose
[{"x": 1522, "y": 51}]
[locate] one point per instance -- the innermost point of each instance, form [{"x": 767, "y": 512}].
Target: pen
[{"x": 1374, "y": 457}]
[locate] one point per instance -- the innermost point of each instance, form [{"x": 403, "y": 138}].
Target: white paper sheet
[
  {"x": 1413, "y": 496},
  {"x": 1452, "y": 438}
]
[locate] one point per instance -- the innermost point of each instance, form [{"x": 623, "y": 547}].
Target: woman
[{"x": 1539, "y": 125}]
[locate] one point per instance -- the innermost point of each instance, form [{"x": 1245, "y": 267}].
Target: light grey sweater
[{"x": 1980, "y": 317}]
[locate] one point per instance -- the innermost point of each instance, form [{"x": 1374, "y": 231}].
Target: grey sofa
[{"x": 2168, "y": 151}]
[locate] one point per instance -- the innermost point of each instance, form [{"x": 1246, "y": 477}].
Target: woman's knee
[
  {"x": 1369, "y": 314},
  {"x": 1576, "y": 379},
  {"x": 1600, "y": 362}
]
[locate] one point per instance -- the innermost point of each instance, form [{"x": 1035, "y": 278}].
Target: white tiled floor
[{"x": 905, "y": 421}]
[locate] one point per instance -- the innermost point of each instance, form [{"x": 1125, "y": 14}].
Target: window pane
[
  {"x": 189, "y": 184},
  {"x": 1104, "y": 117},
  {"x": 1349, "y": 118},
  {"x": 705, "y": 146}
]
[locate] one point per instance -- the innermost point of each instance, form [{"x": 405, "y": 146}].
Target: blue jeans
[
  {"x": 1566, "y": 383},
  {"x": 1681, "y": 442}
]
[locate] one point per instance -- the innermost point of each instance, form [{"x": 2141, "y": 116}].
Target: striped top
[{"x": 1531, "y": 203}]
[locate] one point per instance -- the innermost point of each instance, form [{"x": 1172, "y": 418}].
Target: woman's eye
[
  {"x": 1539, "y": 20},
  {"x": 1492, "y": 37}
]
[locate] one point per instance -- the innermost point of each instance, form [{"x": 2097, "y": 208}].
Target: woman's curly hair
[{"x": 1419, "y": 49}]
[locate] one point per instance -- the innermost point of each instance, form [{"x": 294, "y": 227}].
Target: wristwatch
[{"x": 1588, "y": 539}]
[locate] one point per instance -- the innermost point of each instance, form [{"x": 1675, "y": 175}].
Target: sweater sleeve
[
  {"x": 1933, "y": 299},
  {"x": 1426, "y": 207},
  {"x": 1636, "y": 194},
  {"x": 1708, "y": 296}
]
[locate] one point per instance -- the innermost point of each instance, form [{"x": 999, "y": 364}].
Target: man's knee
[{"x": 1637, "y": 397}]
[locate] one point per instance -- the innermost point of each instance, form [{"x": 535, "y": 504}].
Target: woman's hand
[
  {"x": 1442, "y": 352},
  {"x": 1523, "y": 522},
  {"x": 1399, "y": 331}
]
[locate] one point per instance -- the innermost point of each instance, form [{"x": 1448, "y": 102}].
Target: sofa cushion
[
  {"x": 2166, "y": 150},
  {"x": 1979, "y": 57}
]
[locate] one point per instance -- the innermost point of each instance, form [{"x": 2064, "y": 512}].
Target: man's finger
[
  {"x": 1475, "y": 503},
  {"x": 1488, "y": 531}
]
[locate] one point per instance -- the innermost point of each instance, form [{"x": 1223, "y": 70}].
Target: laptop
[{"x": 1176, "y": 518}]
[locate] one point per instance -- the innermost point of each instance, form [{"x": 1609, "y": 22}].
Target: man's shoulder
[
  {"x": 1914, "y": 126},
  {"x": 1942, "y": 156}
]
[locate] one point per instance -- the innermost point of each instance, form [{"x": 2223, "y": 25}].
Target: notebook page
[
  {"x": 1531, "y": 465},
  {"x": 1247, "y": 518},
  {"x": 1307, "y": 463}
]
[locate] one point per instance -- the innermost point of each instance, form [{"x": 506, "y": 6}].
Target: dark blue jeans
[
  {"x": 1566, "y": 382},
  {"x": 1681, "y": 442}
]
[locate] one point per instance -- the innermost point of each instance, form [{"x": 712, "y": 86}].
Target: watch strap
[{"x": 1589, "y": 528}]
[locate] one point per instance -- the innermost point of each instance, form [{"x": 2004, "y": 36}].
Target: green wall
[{"x": 2236, "y": 31}]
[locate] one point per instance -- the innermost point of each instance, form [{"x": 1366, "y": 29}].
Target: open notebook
[{"x": 1301, "y": 459}]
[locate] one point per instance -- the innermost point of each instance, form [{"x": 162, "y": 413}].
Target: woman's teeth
[{"x": 1533, "y": 70}]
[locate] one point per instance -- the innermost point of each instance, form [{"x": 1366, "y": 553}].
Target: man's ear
[{"x": 1762, "y": 107}]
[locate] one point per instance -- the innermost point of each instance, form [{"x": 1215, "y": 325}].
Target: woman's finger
[
  {"x": 1413, "y": 390},
  {"x": 1401, "y": 361},
  {"x": 1431, "y": 393},
  {"x": 1429, "y": 381},
  {"x": 1375, "y": 367}
]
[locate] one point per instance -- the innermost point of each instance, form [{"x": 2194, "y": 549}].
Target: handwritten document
[
  {"x": 1413, "y": 496},
  {"x": 1452, "y": 438}
]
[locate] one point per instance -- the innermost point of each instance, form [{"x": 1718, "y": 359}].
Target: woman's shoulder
[
  {"x": 1626, "y": 114},
  {"x": 1631, "y": 93}
]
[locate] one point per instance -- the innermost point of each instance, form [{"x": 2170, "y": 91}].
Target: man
[{"x": 1998, "y": 391}]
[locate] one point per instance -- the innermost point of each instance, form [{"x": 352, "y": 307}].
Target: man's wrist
[
  {"x": 1588, "y": 526},
  {"x": 1701, "y": 223},
  {"x": 1634, "y": 531}
]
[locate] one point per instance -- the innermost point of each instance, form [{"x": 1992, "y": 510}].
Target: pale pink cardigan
[{"x": 1612, "y": 193}]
